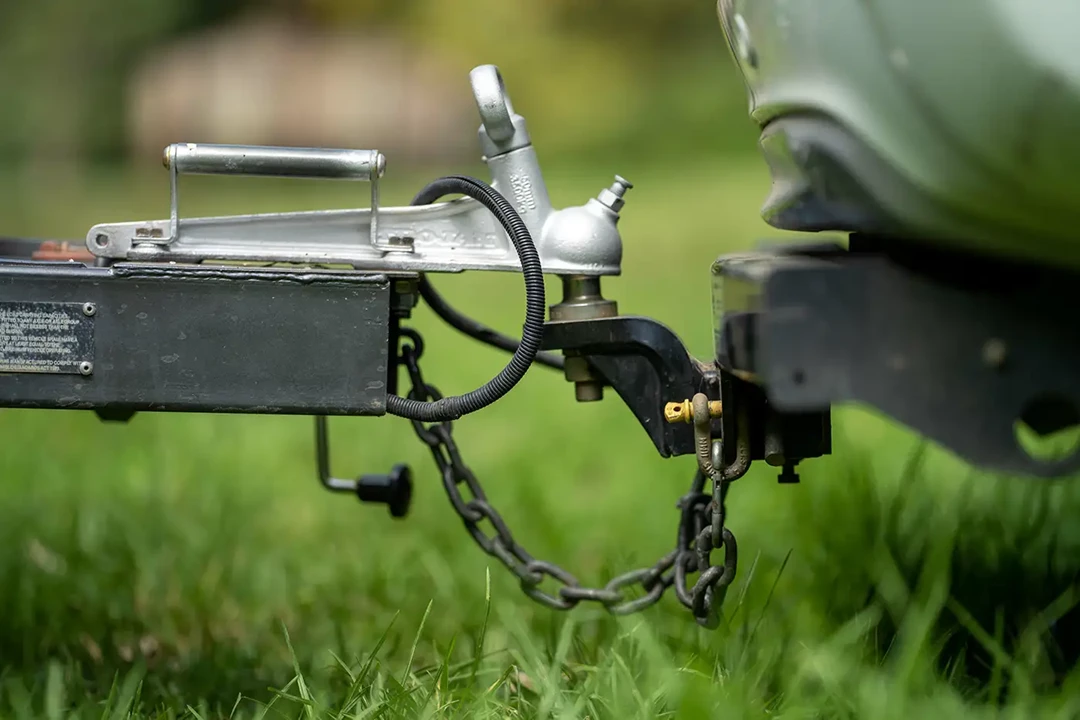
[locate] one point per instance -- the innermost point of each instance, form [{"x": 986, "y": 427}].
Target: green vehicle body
[{"x": 956, "y": 122}]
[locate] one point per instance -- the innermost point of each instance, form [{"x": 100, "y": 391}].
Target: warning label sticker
[{"x": 41, "y": 337}]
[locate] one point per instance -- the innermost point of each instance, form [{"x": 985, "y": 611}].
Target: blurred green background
[
  {"x": 598, "y": 77},
  {"x": 153, "y": 568}
]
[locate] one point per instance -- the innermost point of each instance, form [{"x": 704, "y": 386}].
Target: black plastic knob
[
  {"x": 393, "y": 490},
  {"x": 788, "y": 476}
]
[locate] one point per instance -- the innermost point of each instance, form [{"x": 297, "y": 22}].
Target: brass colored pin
[{"x": 684, "y": 411}]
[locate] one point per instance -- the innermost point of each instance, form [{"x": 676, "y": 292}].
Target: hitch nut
[{"x": 684, "y": 411}]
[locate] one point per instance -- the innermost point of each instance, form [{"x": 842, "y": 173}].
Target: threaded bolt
[{"x": 621, "y": 186}]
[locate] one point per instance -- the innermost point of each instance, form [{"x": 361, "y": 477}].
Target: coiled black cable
[{"x": 452, "y": 408}]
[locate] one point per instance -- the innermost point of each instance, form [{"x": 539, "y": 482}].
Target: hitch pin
[{"x": 675, "y": 412}]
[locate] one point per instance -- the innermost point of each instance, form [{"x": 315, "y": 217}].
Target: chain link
[{"x": 701, "y": 531}]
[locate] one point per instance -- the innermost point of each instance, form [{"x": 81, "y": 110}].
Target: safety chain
[{"x": 701, "y": 530}]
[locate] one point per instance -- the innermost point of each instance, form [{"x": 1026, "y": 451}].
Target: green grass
[{"x": 191, "y": 566}]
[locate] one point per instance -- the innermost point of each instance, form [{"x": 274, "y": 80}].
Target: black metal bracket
[{"x": 646, "y": 364}]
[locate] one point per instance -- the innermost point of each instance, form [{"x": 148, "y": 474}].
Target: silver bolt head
[
  {"x": 610, "y": 200},
  {"x": 613, "y": 196}
]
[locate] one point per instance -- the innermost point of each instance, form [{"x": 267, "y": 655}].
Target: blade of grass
[
  {"x": 768, "y": 598},
  {"x": 306, "y": 698},
  {"x": 985, "y": 639},
  {"x": 416, "y": 642},
  {"x": 997, "y": 672},
  {"x": 478, "y": 650}
]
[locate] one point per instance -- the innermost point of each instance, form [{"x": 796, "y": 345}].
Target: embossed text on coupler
[{"x": 523, "y": 192}]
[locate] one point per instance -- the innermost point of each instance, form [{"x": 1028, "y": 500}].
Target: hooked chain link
[{"x": 701, "y": 531}]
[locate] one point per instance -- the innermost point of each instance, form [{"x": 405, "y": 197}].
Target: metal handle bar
[
  {"x": 310, "y": 163},
  {"x": 269, "y": 161}
]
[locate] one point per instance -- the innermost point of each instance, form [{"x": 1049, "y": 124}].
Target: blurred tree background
[{"x": 600, "y": 77}]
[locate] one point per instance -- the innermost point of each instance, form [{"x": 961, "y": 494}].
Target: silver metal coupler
[{"x": 443, "y": 237}]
